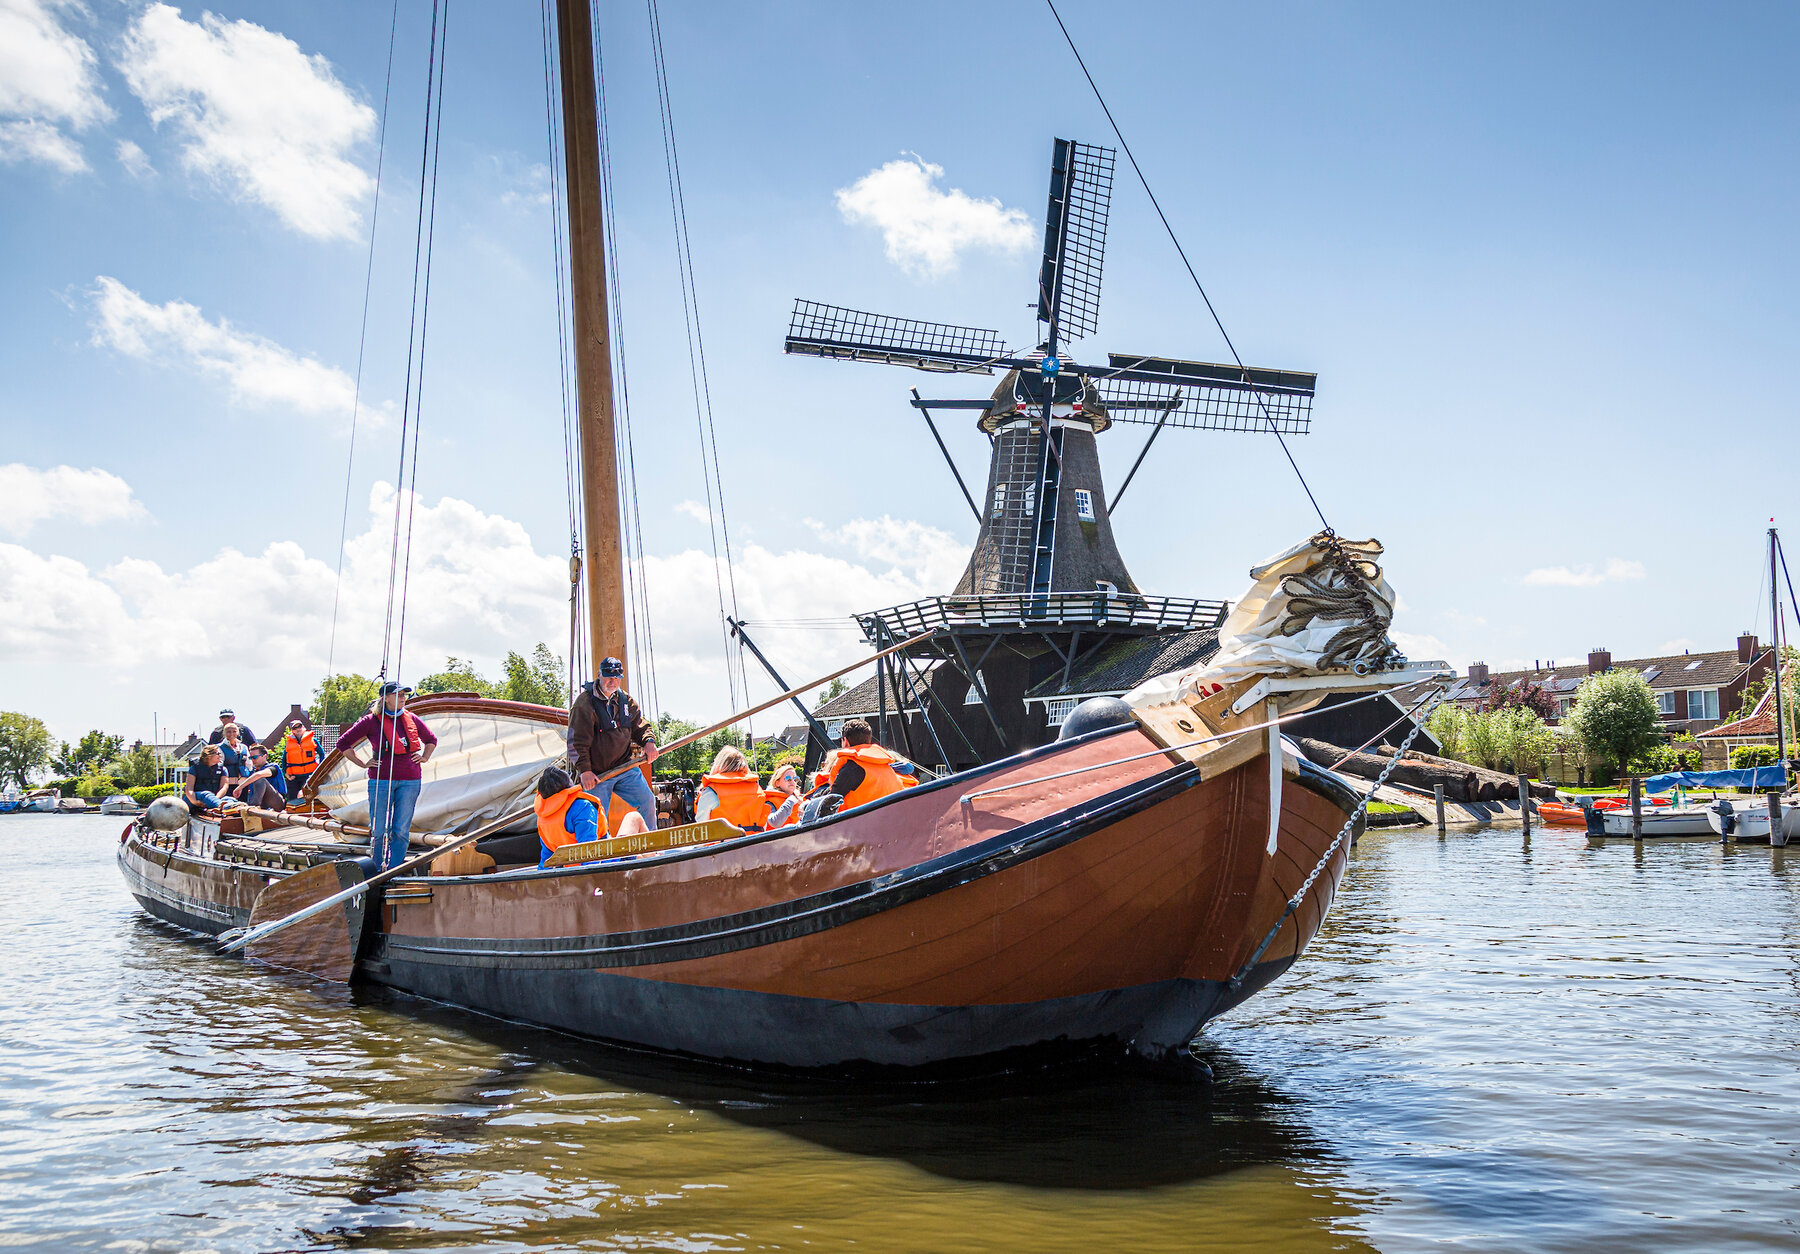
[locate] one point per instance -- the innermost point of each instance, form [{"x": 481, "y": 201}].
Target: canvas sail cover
[
  {"x": 1321, "y": 607},
  {"x": 486, "y": 764}
]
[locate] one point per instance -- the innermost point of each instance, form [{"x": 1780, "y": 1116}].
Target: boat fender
[
  {"x": 167, "y": 814},
  {"x": 1093, "y": 715}
]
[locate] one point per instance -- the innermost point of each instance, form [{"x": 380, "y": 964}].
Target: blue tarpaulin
[{"x": 1751, "y": 777}]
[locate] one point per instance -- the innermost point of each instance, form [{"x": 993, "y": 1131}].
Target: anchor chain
[{"x": 1312, "y": 877}]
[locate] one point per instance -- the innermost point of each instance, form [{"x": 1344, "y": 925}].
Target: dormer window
[
  {"x": 1084, "y": 505},
  {"x": 1106, "y": 587}
]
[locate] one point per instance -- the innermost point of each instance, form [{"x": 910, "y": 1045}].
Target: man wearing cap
[
  {"x": 605, "y": 727},
  {"x": 400, "y": 745},
  {"x": 245, "y": 735},
  {"x": 299, "y": 756}
]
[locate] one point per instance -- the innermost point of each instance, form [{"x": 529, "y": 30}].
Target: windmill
[{"x": 1045, "y": 583}]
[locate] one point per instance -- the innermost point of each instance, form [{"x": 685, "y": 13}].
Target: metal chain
[{"x": 1362, "y": 807}]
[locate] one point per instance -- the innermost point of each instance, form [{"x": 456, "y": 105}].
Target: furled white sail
[
  {"x": 1322, "y": 607},
  {"x": 487, "y": 763}
]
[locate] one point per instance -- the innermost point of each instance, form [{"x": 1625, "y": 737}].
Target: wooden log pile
[{"x": 1423, "y": 771}]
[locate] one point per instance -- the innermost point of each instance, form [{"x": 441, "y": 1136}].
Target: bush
[
  {"x": 1616, "y": 716},
  {"x": 1745, "y": 757},
  {"x": 1511, "y": 738},
  {"x": 144, "y": 796},
  {"x": 1656, "y": 760}
]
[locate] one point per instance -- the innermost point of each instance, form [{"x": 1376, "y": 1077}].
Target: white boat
[
  {"x": 42, "y": 801},
  {"x": 72, "y": 805},
  {"x": 119, "y": 803},
  {"x": 1749, "y": 823},
  {"x": 1688, "y": 820}
]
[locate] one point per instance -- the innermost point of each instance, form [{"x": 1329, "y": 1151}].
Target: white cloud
[
  {"x": 527, "y": 185},
  {"x": 479, "y": 587},
  {"x": 258, "y": 371},
  {"x": 925, "y": 228},
  {"x": 28, "y": 496},
  {"x": 694, "y": 510},
  {"x": 1616, "y": 570},
  {"x": 48, "y": 81},
  {"x": 256, "y": 114},
  {"x": 133, "y": 159}
]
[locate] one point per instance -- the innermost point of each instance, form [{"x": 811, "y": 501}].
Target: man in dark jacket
[
  {"x": 605, "y": 726},
  {"x": 218, "y": 733}
]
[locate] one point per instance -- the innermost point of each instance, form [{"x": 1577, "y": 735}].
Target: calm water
[{"x": 1504, "y": 1046}]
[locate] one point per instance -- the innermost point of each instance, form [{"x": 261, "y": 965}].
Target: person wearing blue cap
[{"x": 605, "y": 728}]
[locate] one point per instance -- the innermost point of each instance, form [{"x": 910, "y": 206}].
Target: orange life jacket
[
  {"x": 300, "y": 754},
  {"x": 741, "y": 801},
  {"x": 552, "y": 816},
  {"x": 880, "y": 779},
  {"x": 776, "y": 799}
]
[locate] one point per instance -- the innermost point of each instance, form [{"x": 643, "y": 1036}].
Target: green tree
[
  {"x": 836, "y": 688},
  {"x": 458, "y": 675},
  {"x": 138, "y": 767},
  {"x": 342, "y": 699},
  {"x": 540, "y": 681},
  {"x": 1615, "y": 714},
  {"x": 687, "y": 760},
  {"x": 93, "y": 751},
  {"x": 1449, "y": 725},
  {"x": 24, "y": 747}
]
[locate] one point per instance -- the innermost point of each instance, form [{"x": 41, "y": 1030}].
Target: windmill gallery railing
[{"x": 1112, "y": 611}]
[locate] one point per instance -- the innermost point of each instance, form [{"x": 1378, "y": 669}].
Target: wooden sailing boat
[{"x": 1115, "y": 889}]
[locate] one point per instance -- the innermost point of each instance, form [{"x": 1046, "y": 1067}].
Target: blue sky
[{"x": 1539, "y": 256}]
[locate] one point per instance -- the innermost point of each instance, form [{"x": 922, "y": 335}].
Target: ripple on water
[{"x": 1504, "y": 1044}]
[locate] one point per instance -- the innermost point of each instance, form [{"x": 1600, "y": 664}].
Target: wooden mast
[{"x": 604, "y": 560}]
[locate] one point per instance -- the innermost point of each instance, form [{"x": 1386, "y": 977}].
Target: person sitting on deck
[
  {"x": 218, "y": 733},
  {"x": 731, "y": 791},
  {"x": 861, "y": 771},
  {"x": 784, "y": 796},
  {"x": 205, "y": 786},
  {"x": 266, "y": 783},
  {"x": 567, "y": 815},
  {"x": 236, "y": 752}
]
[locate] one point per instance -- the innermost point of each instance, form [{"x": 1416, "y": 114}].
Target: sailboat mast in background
[{"x": 603, "y": 562}]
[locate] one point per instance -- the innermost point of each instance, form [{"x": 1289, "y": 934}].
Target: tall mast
[
  {"x": 604, "y": 563},
  {"x": 1775, "y": 643}
]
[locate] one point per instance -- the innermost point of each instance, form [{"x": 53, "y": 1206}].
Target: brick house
[{"x": 1695, "y": 691}]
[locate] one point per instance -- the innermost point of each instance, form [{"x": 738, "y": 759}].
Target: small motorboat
[
  {"x": 42, "y": 801},
  {"x": 1750, "y": 825},
  {"x": 1556, "y": 814},
  {"x": 119, "y": 803},
  {"x": 1685, "y": 820},
  {"x": 72, "y": 805}
]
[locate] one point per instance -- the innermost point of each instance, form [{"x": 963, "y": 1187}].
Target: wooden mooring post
[
  {"x": 1777, "y": 837},
  {"x": 1525, "y": 801},
  {"x": 1437, "y": 791},
  {"x": 1637, "y": 808}
]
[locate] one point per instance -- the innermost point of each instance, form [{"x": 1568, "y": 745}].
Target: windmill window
[
  {"x": 1057, "y": 710},
  {"x": 1084, "y": 505},
  {"x": 1106, "y": 587},
  {"x": 973, "y": 695},
  {"x": 999, "y": 499}
]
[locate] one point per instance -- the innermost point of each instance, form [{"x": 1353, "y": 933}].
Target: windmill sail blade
[
  {"x": 1205, "y": 407},
  {"x": 850, "y": 335},
  {"x": 1081, "y": 178}
]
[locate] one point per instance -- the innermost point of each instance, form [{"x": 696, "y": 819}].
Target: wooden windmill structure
[{"x": 1046, "y": 594}]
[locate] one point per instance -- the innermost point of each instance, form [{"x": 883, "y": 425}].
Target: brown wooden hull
[{"x": 1115, "y": 904}]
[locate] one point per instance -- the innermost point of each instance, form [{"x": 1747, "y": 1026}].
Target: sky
[{"x": 1540, "y": 256}]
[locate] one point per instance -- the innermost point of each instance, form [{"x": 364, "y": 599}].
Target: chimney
[
  {"x": 1477, "y": 672},
  {"x": 1599, "y": 660},
  {"x": 1746, "y": 647}
]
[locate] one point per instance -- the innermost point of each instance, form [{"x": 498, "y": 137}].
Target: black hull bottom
[{"x": 1151, "y": 1021}]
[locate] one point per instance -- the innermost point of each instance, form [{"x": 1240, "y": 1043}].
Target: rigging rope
[
  {"x": 709, "y": 449},
  {"x": 409, "y": 417},
  {"x": 362, "y": 345},
  {"x": 1244, "y": 371}
]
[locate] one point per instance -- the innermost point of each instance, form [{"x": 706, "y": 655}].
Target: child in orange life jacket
[
  {"x": 731, "y": 791},
  {"x": 568, "y": 816}
]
